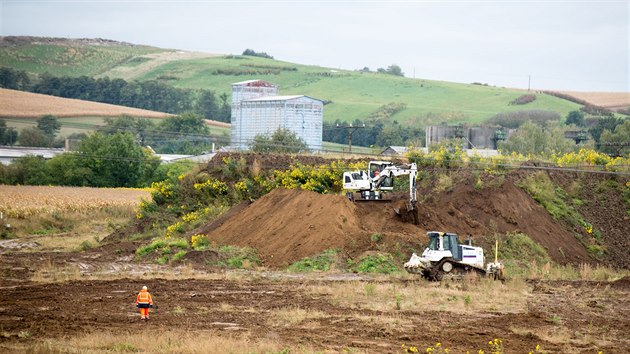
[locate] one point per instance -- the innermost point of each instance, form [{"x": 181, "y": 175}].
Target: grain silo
[{"x": 257, "y": 109}]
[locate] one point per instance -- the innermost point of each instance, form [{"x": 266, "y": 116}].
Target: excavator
[
  {"x": 446, "y": 257},
  {"x": 372, "y": 184}
]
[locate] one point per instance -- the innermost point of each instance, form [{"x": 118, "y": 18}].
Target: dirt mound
[
  {"x": 288, "y": 225},
  {"x": 607, "y": 211},
  {"x": 500, "y": 209}
]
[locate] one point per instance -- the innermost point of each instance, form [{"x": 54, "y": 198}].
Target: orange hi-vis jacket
[{"x": 144, "y": 299}]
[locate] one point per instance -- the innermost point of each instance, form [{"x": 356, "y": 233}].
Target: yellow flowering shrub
[
  {"x": 212, "y": 186},
  {"x": 199, "y": 241}
]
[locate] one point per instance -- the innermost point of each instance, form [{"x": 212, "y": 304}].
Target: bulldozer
[
  {"x": 372, "y": 185},
  {"x": 445, "y": 257}
]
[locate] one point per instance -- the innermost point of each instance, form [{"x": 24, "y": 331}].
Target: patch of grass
[
  {"x": 85, "y": 245},
  {"x": 238, "y": 257},
  {"x": 165, "y": 250},
  {"x": 596, "y": 251},
  {"x": 420, "y": 295},
  {"x": 376, "y": 238},
  {"x": 294, "y": 315},
  {"x": 168, "y": 341},
  {"x": 125, "y": 348},
  {"x": 321, "y": 262},
  {"x": 555, "y": 319},
  {"x": 444, "y": 183},
  {"x": 178, "y": 256},
  {"x": 25, "y": 334},
  {"x": 378, "y": 263},
  {"x": 521, "y": 255}
]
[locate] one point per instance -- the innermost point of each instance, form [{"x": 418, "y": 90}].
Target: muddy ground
[{"x": 561, "y": 316}]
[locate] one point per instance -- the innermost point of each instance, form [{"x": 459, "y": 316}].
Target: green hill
[{"x": 350, "y": 94}]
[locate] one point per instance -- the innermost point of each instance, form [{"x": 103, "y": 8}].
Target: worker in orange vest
[{"x": 144, "y": 302}]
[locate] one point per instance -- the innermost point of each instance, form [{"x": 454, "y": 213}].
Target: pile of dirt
[
  {"x": 287, "y": 225},
  {"x": 500, "y": 209},
  {"x": 604, "y": 208}
]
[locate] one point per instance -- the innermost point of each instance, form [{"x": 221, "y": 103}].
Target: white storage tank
[{"x": 257, "y": 109}]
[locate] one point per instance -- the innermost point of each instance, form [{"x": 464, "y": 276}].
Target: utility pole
[
  {"x": 529, "y": 81},
  {"x": 351, "y": 129}
]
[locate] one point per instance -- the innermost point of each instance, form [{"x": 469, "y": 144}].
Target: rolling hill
[{"x": 349, "y": 94}]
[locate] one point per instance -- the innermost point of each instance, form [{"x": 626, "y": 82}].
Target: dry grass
[
  {"x": 165, "y": 341},
  {"x": 562, "y": 335},
  {"x": 19, "y": 104},
  {"x": 294, "y": 316},
  {"x": 584, "y": 271},
  {"x": 485, "y": 295},
  {"x": 604, "y": 99},
  {"x": 25, "y": 201}
]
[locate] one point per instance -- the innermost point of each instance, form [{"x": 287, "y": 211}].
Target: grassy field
[
  {"x": 352, "y": 94},
  {"x": 86, "y": 124},
  {"x": 70, "y": 58}
]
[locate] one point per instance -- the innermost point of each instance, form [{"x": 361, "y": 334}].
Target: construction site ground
[
  {"x": 57, "y": 297},
  {"x": 340, "y": 312}
]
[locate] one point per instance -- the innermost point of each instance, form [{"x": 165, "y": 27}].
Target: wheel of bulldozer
[{"x": 447, "y": 267}]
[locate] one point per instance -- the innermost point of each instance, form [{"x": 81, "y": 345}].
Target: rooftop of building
[
  {"x": 255, "y": 83},
  {"x": 279, "y": 98}
]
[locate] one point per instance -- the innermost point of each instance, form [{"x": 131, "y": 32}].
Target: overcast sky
[{"x": 569, "y": 45}]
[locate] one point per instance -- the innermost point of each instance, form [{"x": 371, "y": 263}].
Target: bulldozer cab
[{"x": 445, "y": 241}]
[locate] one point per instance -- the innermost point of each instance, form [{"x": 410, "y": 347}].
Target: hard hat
[{"x": 144, "y": 287}]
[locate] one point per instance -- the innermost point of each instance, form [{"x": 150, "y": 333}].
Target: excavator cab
[{"x": 374, "y": 170}]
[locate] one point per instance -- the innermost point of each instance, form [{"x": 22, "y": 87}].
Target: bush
[
  {"x": 524, "y": 99},
  {"x": 321, "y": 262},
  {"x": 516, "y": 119},
  {"x": 379, "y": 263},
  {"x": 236, "y": 257}
]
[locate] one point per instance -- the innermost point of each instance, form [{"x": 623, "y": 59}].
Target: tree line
[
  {"x": 378, "y": 129},
  {"x": 151, "y": 94},
  {"x": 182, "y": 134}
]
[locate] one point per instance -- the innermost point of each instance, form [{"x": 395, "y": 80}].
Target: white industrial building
[{"x": 257, "y": 109}]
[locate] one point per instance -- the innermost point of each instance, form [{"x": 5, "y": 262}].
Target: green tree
[
  {"x": 115, "y": 160},
  {"x": 34, "y": 137},
  {"x": 8, "y": 135},
  {"x": 576, "y": 118},
  {"x": 183, "y": 134},
  {"x": 612, "y": 141},
  {"x": 395, "y": 70},
  {"x": 206, "y": 105},
  {"x": 607, "y": 123},
  {"x": 142, "y": 129},
  {"x": 225, "y": 112},
  {"x": 281, "y": 141},
  {"x": 28, "y": 170},
  {"x": 67, "y": 170},
  {"x": 49, "y": 125},
  {"x": 536, "y": 140}
]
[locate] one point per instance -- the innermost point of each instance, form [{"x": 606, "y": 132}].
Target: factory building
[
  {"x": 474, "y": 137},
  {"x": 258, "y": 109}
]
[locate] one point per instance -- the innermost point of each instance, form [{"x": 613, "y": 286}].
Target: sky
[{"x": 554, "y": 44}]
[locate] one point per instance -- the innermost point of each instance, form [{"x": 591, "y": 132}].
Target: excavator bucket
[{"x": 407, "y": 211}]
